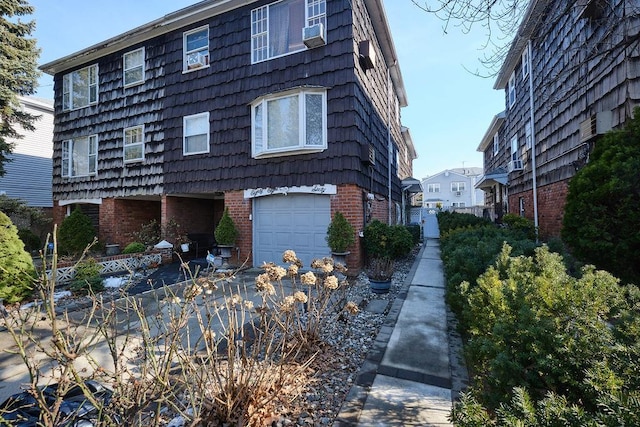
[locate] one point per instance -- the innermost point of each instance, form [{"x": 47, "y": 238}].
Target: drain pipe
[
  {"x": 389, "y": 148},
  {"x": 533, "y": 142}
]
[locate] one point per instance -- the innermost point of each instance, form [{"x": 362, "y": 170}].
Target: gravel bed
[{"x": 334, "y": 369}]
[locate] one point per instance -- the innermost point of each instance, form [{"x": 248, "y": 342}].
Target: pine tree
[
  {"x": 18, "y": 72},
  {"x": 16, "y": 266}
]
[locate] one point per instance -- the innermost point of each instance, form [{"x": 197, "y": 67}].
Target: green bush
[
  {"x": 382, "y": 241},
  {"x": 87, "y": 277},
  {"x": 468, "y": 252},
  {"x": 448, "y": 221},
  {"x": 31, "y": 241},
  {"x": 226, "y": 232},
  {"x": 518, "y": 223},
  {"x": 401, "y": 241},
  {"x": 134, "y": 247},
  {"x": 602, "y": 212},
  {"x": 340, "y": 233},
  {"x": 550, "y": 348},
  {"x": 17, "y": 273},
  {"x": 416, "y": 232},
  {"x": 75, "y": 233}
]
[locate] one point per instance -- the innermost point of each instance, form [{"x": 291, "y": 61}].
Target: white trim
[
  {"x": 77, "y": 201},
  {"x": 143, "y": 65},
  {"x": 321, "y": 189},
  {"x": 184, "y": 133},
  {"x": 199, "y": 51}
]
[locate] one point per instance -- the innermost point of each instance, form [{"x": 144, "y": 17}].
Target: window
[
  {"x": 527, "y": 135},
  {"x": 133, "y": 144},
  {"x": 512, "y": 89},
  {"x": 457, "y": 186},
  {"x": 514, "y": 149},
  {"x": 133, "y": 67},
  {"x": 458, "y": 205},
  {"x": 291, "y": 123},
  {"x": 196, "y": 134},
  {"x": 80, "y": 156},
  {"x": 496, "y": 144},
  {"x": 80, "y": 88},
  {"x": 276, "y": 28},
  {"x": 433, "y": 188},
  {"x": 525, "y": 63},
  {"x": 196, "y": 48}
]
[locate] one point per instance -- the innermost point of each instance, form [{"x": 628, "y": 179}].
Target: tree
[
  {"x": 18, "y": 73},
  {"x": 602, "y": 211}
]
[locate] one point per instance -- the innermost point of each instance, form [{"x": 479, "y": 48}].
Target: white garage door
[{"x": 296, "y": 221}]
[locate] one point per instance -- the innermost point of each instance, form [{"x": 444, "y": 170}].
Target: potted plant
[
  {"x": 226, "y": 234},
  {"x": 379, "y": 271},
  {"x": 340, "y": 235},
  {"x": 383, "y": 245}
]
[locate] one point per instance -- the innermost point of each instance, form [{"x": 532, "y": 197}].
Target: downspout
[
  {"x": 389, "y": 150},
  {"x": 533, "y": 142}
]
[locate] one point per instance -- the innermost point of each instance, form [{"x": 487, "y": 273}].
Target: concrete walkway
[{"x": 408, "y": 379}]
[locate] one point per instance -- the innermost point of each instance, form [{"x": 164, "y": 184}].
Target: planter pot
[
  {"x": 112, "y": 250},
  {"x": 340, "y": 257},
  {"x": 380, "y": 286},
  {"x": 225, "y": 254},
  {"x": 184, "y": 247}
]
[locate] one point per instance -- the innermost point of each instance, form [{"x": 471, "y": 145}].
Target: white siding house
[
  {"x": 453, "y": 189},
  {"x": 28, "y": 175}
]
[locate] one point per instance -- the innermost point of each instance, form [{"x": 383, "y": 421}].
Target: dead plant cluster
[{"x": 209, "y": 351}]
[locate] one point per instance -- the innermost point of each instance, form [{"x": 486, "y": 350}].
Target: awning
[
  {"x": 411, "y": 185},
  {"x": 488, "y": 180}
]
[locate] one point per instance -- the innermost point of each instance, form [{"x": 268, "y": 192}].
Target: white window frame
[
  {"x": 73, "y": 159},
  {"x": 433, "y": 187},
  {"x": 264, "y": 145},
  {"x": 133, "y": 140},
  {"x": 127, "y": 68},
  {"x": 496, "y": 144},
  {"x": 515, "y": 155},
  {"x": 512, "y": 89},
  {"x": 525, "y": 63},
  {"x": 71, "y": 85},
  {"x": 527, "y": 135},
  {"x": 186, "y": 120},
  {"x": 458, "y": 186},
  {"x": 261, "y": 43},
  {"x": 196, "y": 58}
]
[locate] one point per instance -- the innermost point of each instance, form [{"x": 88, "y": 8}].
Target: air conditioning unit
[
  {"x": 366, "y": 54},
  {"x": 197, "y": 60},
  {"x": 368, "y": 154},
  {"x": 515, "y": 165},
  {"x": 313, "y": 36},
  {"x": 596, "y": 124}
]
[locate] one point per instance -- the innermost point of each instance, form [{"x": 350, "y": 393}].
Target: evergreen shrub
[
  {"x": 87, "y": 278},
  {"x": 17, "y": 273},
  {"x": 134, "y": 247},
  {"x": 75, "y": 233},
  {"x": 30, "y": 239}
]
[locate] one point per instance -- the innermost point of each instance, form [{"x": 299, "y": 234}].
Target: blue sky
[{"x": 449, "y": 108}]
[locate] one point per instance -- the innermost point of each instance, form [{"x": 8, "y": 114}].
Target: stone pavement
[{"x": 413, "y": 374}]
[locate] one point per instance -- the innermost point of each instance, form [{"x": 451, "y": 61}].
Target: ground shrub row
[{"x": 544, "y": 347}]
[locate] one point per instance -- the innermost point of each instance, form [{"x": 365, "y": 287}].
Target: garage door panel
[{"x": 298, "y": 222}]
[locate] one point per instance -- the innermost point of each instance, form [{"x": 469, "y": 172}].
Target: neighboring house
[
  {"x": 284, "y": 112},
  {"x": 28, "y": 174},
  {"x": 570, "y": 75},
  {"x": 453, "y": 189}
]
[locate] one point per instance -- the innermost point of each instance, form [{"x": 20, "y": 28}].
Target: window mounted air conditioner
[
  {"x": 313, "y": 36},
  {"x": 596, "y": 124},
  {"x": 197, "y": 60},
  {"x": 515, "y": 165}
]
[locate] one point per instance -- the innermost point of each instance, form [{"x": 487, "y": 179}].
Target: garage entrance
[{"x": 295, "y": 221}]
